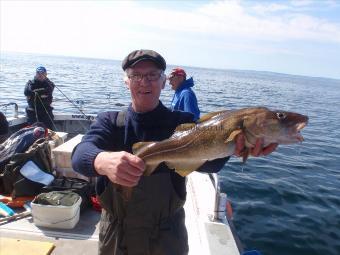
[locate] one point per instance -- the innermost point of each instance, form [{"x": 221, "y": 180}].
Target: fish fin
[
  {"x": 232, "y": 135},
  {"x": 185, "y": 127},
  {"x": 245, "y": 155},
  {"x": 248, "y": 144},
  {"x": 127, "y": 193},
  {"x": 208, "y": 116},
  {"x": 137, "y": 148},
  {"x": 184, "y": 168}
]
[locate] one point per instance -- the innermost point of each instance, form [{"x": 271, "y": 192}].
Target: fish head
[{"x": 275, "y": 126}]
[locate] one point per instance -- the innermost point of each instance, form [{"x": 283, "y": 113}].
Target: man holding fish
[{"x": 142, "y": 195}]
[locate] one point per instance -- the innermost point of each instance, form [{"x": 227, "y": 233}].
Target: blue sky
[{"x": 296, "y": 37}]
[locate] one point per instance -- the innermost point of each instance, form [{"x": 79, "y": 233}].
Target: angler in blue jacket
[{"x": 184, "y": 98}]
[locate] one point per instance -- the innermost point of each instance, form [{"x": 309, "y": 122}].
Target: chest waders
[{"x": 152, "y": 222}]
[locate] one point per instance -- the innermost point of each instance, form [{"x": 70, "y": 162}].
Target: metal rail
[{"x": 16, "y": 108}]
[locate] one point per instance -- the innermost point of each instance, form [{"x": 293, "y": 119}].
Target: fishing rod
[{"x": 80, "y": 110}]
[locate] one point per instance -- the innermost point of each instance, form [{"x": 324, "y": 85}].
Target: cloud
[
  {"x": 231, "y": 18},
  {"x": 264, "y": 9},
  {"x": 96, "y": 26}
]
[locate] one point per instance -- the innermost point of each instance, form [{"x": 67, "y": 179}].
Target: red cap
[{"x": 178, "y": 71}]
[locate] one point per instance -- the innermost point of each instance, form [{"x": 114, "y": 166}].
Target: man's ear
[
  {"x": 164, "y": 81},
  {"x": 126, "y": 81}
]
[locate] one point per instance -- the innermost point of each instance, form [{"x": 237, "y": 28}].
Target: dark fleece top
[
  {"x": 42, "y": 88},
  {"x": 156, "y": 125},
  {"x": 3, "y": 124}
]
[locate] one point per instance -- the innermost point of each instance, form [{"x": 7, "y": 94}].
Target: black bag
[
  {"x": 13, "y": 182},
  {"x": 19, "y": 142},
  {"x": 82, "y": 187}
]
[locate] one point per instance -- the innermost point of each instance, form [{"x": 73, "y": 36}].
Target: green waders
[{"x": 151, "y": 223}]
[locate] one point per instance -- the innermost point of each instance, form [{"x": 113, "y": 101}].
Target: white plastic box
[
  {"x": 62, "y": 158},
  {"x": 62, "y": 153},
  {"x": 50, "y": 216}
]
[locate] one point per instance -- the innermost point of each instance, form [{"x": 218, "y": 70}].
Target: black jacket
[
  {"x": 39, "y": 94},
  {"x": 3, "y": 124}
]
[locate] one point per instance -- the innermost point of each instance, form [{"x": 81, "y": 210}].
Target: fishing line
[
  {"x": 86, "y": 118},
  {"x": 36, "y": 112}
]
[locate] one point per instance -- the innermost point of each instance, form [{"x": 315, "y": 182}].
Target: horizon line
[{"x": 199, "y": 67}]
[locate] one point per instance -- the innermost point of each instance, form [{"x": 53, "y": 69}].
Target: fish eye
[{"x": 280, "y": 115}]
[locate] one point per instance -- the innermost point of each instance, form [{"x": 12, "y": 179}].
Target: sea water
[{"x": 285, "y": 203}]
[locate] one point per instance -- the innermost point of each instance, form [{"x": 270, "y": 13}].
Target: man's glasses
[
  {"x": 170, "y": 76},
  {"x": 153, "y": 76}
]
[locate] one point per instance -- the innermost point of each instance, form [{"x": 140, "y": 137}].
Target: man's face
[
  {"x": 145, "y": 82},
  {"x": 175, "y": 81},
  {"x": 40, "y": 76}
]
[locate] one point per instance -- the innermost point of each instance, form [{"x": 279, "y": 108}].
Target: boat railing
[
  {"x": 16, "y": 108},
  {"x": 220, "y": 199}
]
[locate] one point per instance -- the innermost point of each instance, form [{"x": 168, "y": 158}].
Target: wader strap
[
  {"x": 120, "y": 120},
  {"x": 111, "y": 223}
]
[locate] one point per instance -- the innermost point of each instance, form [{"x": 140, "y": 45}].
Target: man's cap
[
  {"x": 41, "y": 69},
  {"x": 140, "y": 55},
  {"x": 177, "y": 71}
]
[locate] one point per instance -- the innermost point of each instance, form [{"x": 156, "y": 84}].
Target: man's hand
[
  {"x": 256, "y": 151},
  {"x": 120, "y": 167}
]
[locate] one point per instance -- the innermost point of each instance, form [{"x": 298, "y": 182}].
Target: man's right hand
[{"x": 120, "y": 167}]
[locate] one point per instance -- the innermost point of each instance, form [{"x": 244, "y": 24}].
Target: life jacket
[{"x": 150, "y": 223}]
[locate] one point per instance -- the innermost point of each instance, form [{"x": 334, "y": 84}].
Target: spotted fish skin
[{"x": 213, "y": 137}]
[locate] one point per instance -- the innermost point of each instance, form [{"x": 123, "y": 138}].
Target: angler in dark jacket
[
  {"x": 152, "y": 220},
  {"x": 184, "y": 98},
  {"x": 39, "y": 97},
  {"x": 3, "y": 127}
]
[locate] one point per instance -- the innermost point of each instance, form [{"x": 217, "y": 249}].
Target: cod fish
[{"x": 213, "y": 137}]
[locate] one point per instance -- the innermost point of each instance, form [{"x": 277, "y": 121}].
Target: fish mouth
[
  {"x": 300, "y": 126},
  {"x": 297, "y": 129}
]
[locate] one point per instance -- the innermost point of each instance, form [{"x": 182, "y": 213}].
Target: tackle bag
[
  {"x": 55, "y": 198},
  {"x": 19, "y": 142},
  {"x": 13, "y": 182},
  {"x": 82, "y": 187}
]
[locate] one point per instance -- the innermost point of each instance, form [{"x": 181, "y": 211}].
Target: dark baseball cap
[
  {"x": 139, "y": 55},
  {"x": 41, "y": 69}
]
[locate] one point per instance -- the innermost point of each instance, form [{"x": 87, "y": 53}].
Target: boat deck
[
  {"x": 83, "y": 239},
  {"x": 205, "y": 236}
]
